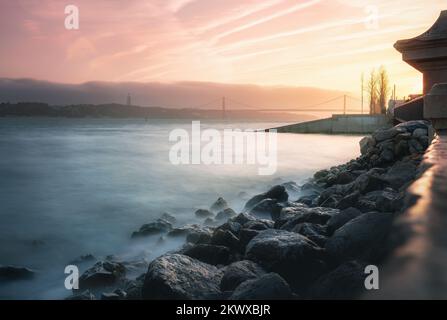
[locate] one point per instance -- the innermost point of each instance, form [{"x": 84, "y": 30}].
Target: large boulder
[
  {"x": 386, "y": 134},
  {"x": 361, "y": 238},
  {"x": 225, "y": 238},
  {"x": 103, "y": 273},
  {"x": 387, "y": 200},
  {"x": 317, "y": 215},
  {"x": 238, "y": 272},
  {"x": 270, "y": 286},
  {"x": 400, "y": 174},
  {"x": 225, "y": 214},
  {"x": 157, "y": 227},
  {"x": 341, "y": 218},
  {"x": 176, "y": 276},
  {"x": 219, "y": 205},
  {"x": 203, "y": 213},
  {"x": 347, "y": 281},
  {"x": 212, "y": 254},
  {"x": 292, "y": 255},
  {"x": 314, "y": 232},
  {"x": 277, "y": 193},
  {"x": 266, "y": 209}
]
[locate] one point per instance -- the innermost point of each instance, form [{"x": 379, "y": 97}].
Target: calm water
[{"x": 69, "y": 187}]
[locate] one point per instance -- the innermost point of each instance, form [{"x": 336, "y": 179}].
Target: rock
[
  {"x": 203, "y": 213},
  {"x": 168, "y": 217},
  {"x": 243, "y": 218},
  {"x": 420, "y": 132},
  {"x": 415, "y": 146},
  {"x": 245, "y": 236},
  {"x": 156, "y": 227},
  {"x": 238, "y": 272},
  {"x": 291, "y": 255},
  {"x": 339, "y": 219},
  {"x": 83, "y": 258},
  {"x": 348, "y": 201},
  {"x": 345, "y": 282},
  {"x": 387, "y": 200},
  {"x": 291, "y": 187},
  {"x": 270, "y": 286},
  {"x": 175, "y": 276},
  {"x": 399, "y": 174},
  {"x": 410, "y": 126},
  {"x": 209, "y": 222},
  {"x": 226, "y": 214},
  {"x": 366, "y": 143},
  {"x": 225, "y": 238},
  {"x": 368, "y": 182},
  {"x": 11, "y": 273},
  {"x": 361, "y": 238},
  {"x": 317, "y": 215},
  {"x": 277, "y": 193},
  {"x": 230, "y": 225},
  {"x": 103, "y": 273},
  {"x": 344, "y": 177},
  {"x": 314, "y": 232},
  {"x": 85, "y": 295},
  {"x": 267, "y": 208},
  {"x": 386, "y": 134},
  {"x": 259, "y": 225},
  {"x": 211, "y": 254},
  {"x": 187, "y": 229},
  {"x": 219, "y": 205},
  {"x": 401, "y": 149},
  {"x": 110, "y": 296},
  {"x": 199, "y": 236}
]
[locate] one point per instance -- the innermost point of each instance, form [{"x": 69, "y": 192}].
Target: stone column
[{"x": 435, "y": 106}]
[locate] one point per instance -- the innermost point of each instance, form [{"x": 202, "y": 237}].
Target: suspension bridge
[{"x": 343, "y": 104}]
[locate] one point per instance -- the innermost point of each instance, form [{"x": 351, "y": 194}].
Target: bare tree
[
  {"x": 383, "y": 89},
  {"x": 372, "y": 92}
]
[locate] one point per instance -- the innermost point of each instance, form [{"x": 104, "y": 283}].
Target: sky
[{"x": 303, "y": 43}]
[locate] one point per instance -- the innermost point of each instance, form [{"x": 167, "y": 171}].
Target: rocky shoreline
[{"x": 314, "y": 247}]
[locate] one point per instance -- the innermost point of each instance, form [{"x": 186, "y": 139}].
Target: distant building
[{"x": 129, "y": 100}]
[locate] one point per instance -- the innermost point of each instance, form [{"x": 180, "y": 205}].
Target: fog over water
[{"x": 71, "y": 187}]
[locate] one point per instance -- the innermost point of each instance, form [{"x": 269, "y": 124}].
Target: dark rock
[
  {"x": 209, "y": 222},
  {"x": 230, "y": 225},
  {"x": 226, "y": 214},
  {"x": 399, "y": 174},
  {"x": 314, "y": 232},
  {"x": 317, "y": 215},
  {"x": 386, "y": 134},
  {"x": 345, "y": 282},
  {"x": 110, "y": 296},
  {"x": 291, "y": 187},
  {"x": 267, "y": 208},
  {"x": 270, "y": 286},
  {"x": 243, "y": 218},
  {"x": 238, "y": 272},
  {"x": 277, "y": 193},
  {"x": 348, "y": 201},
  {"x": 366, "y": 144},
  {"x": 259, "y": 225},
  {"x": 10, "y": 273},
  {"x": 187, "y": 229},
  {"x": 199, "y": 236},
  {"x": 103, "y": 273},
  {"x": 362, "y": 237},
  {"x": 410, "y": 126},
  {"x": 225, "y": 238},
  {"x": 401, "y": 149},
  {"x": 420, "y": 132},
  {"x": 291, "y": 255},
  {"x": 211, "y": 254},
  {"x": 219, "y": 205},
  {"x": 85, "y": 295},
  {"x": 387, "y": 200},
  {"x": 203, "y": 213},
  {"x": 157, "y": 227},
  {"x": 245, "y": 236},
  {"x": 415, "y": 146},
  {"x": 176, "y": 276},
  {"x": 168, "y": 217},
  {"x": 339, "y": 219},
  {"x": 368, "y": 182}
]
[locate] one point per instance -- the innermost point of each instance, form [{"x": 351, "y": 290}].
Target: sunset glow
[{"x": 313, "y": 43}]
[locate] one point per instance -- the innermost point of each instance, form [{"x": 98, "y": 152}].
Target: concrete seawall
[{"x": 340, "y": 124}]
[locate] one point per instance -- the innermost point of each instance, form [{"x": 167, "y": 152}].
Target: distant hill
[
  {"x": 36, "y": 109},
  {"x": 194, "y": 95}
]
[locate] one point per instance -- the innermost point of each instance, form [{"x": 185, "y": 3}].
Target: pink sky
[{"x": 316, "y": 43}]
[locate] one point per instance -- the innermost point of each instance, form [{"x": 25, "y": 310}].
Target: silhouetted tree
[{"x": 383, "y": 89}]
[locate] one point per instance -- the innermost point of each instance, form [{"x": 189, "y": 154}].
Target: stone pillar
[{"x": 435, "y": 106}]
